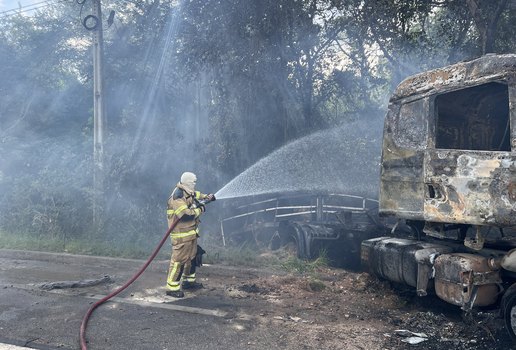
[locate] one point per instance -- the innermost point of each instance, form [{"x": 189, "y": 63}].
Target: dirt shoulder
[{"x": 339, "y": 309}]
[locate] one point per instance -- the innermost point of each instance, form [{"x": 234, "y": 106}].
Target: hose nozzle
[{"x": 211, "y": 198}]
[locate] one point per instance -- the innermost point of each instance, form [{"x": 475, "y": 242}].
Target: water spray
[
  {"x": 132, "y": 279},
  {"x": 345, "y": 159}
]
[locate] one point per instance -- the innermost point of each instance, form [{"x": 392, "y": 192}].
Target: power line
[
  {"x": 24, "y": 6},
  {"x": 31, "y": 7}
]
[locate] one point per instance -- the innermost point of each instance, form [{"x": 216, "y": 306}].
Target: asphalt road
[{"x": 141, "y": 317}]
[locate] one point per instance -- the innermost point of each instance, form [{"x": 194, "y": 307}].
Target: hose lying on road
[{"x": 107, "y": 297}]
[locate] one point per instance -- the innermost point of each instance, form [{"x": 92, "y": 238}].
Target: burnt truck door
[
  {"x": 405, "y": 139},
  {"x": 470, "y": 164}
]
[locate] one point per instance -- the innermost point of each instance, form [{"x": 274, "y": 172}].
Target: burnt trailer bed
[{"x": 309, "y": 223}]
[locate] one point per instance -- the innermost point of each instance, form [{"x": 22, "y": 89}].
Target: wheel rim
[
  {"x": 509, "y": 309},
  {"x": 512, "y": 319}
]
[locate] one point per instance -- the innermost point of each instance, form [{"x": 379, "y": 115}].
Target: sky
[{"x": 6, "y": 5}]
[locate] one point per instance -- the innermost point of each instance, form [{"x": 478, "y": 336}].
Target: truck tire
[
  {"x": 293, "y": 235},
  {"x": 508, "y": 309}
]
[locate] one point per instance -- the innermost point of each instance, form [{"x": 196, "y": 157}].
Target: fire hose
[{"x": 128, "y": 283}]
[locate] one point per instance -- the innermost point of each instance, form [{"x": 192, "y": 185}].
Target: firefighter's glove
[{"x": 202, "y": 207}]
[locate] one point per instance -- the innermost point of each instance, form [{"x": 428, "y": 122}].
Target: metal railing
[{"x": 322, "y": 208}]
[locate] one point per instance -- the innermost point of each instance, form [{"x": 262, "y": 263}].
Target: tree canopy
[{"x": 208, "y": 86}]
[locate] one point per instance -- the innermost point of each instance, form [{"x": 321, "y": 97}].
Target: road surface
[
  {"x": 141, "y": 317},
  {"x": 239, "y": 308}
]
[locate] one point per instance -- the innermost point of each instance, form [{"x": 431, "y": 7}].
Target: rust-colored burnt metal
[
  {"x": 402, "y": 261},
  {"x": 449, "y": 149},
  {"x": 466, "y": 280}
]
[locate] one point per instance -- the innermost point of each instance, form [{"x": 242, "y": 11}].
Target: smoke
[{"x": 202, "y": 86}]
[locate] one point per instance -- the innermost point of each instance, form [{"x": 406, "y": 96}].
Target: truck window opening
[{"x": 475, "y": 118}]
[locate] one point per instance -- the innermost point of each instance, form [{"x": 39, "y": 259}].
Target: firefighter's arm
[
  {"x": 180, "y": 208},
  {"x": 201, "y": 196},
  {"x": 185, "y": 210}
]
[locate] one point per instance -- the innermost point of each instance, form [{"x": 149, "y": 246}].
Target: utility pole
[{"x": 98, "y": 117}]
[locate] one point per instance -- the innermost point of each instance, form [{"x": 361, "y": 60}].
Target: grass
[
  {"x": 244, "y": 256},
  {"x": 78, "y": 246},
  {"x": 237, "y": 256},
  {"x": 294, "y": 264},
  {"x": 310, "y": 268},
  {"x": 26, "y": 242}
]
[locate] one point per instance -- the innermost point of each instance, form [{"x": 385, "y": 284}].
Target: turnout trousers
[{"x": 181, "y": 264}]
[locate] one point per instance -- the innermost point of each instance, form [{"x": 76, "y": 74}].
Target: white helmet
[{"x": 189, "y": 180}]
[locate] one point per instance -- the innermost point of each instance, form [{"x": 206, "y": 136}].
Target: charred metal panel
[
  {"x": 401, "y": 187},
  {"x": 399, "y": 260},
  {"x": 402, "y": 198},
  {"x": 458, "y": 76},
  {"x": 410, "y": 125},
  {"x": 512, "y": 113},
  {"x": 466, "y": 280},
  {"x": 470, "y": 187}
]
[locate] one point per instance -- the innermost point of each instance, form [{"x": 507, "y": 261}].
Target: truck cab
[
  {"x": 448, "y": 171},
  {"x": 449, "y": 147}
]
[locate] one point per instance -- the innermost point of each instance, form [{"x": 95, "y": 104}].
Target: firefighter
[{"x": 183, "y": 204}]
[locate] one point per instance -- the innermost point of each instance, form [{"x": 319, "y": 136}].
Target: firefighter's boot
[
  {"x": 175, "y": 293},
  {"x": 192, "y": 285}
]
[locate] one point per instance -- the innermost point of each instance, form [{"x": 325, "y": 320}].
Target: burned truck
[
  {"x": 306, "y": 224},
  {"x": 448, "y": 172}
]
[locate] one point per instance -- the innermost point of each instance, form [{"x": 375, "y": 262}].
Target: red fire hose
[{"x": 106, "y": 298}]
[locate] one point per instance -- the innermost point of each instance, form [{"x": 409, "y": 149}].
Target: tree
[
  {"x": 486, "y": 16},
  {"x": 205, "y": 85}
]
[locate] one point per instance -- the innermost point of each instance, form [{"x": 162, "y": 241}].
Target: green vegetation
[
  {"x": 309, "y": 268},
  {"x": 236, "y": 256},
  {"x": 294, "y": 264},
  {"x": 76, "y": 246},
  {"x": 207, "y": 86},
  {"x": 216, "y": 254}
]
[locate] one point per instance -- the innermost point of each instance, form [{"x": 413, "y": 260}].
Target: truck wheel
[
  {"x": 292, "y": 239},
  {"x": 508, "y": 306}
]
